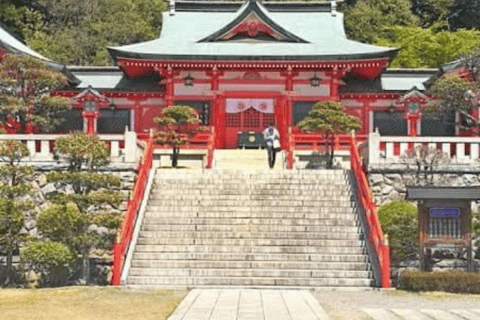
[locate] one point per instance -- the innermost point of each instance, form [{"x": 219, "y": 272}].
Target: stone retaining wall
[
  {"x": 40, "y": 188},
  {"x": 389, "y": 184}
]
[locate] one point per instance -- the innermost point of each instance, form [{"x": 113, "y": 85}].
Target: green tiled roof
[{"x": 182, "y": 31}]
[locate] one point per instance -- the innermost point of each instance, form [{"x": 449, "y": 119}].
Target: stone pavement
[
  {"x": 249, "y": 304},
  {"x": 422, "y": 314}
]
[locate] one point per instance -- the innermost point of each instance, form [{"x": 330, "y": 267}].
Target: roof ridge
[{"x": 253, "y": 8}]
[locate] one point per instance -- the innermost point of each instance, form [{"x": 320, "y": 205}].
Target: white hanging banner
[{"x": 239, "y": 105}]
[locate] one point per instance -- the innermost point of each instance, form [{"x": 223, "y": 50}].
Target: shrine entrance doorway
[{"x": 245, "y": 119}]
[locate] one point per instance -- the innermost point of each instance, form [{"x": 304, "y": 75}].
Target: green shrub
[
  {"x": 451, "y": 281},
  {"x": 400, "y": 222},
  {"x": 51, "y": 259}
]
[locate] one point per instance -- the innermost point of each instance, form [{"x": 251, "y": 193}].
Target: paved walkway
[
  {"x": 249, "y": 304},
  {"x": 423, "y": 314}
]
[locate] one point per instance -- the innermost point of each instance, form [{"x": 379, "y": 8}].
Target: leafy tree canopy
[
  {"x": 79, "y": 31},
  {"x": 329, "y": 119},
  {"x": 426, "y": 48},
  {"x": 175, "y": 126},
  {"x": 13, "y": 178},
  {"x": 25, "y": 86},
  {"x": 368, "y": 19},
  {"x": 82, "y": 150}
]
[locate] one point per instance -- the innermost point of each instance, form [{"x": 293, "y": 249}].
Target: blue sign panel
[{"x": 445, "y": 212}]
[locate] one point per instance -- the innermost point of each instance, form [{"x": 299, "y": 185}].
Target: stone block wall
[{"x": 40, "y": 188}]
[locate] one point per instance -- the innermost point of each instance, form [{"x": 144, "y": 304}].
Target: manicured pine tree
[
  {"x": 328, "y": 119},
  {"x": 69, "y": 221},
  {"x": 177, "y": 124},
  {"x": 25, "y": 100},
  {"x": 13, "y": 186}
]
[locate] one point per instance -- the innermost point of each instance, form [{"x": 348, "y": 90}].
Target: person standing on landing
[{"x": 272, "y": 142}]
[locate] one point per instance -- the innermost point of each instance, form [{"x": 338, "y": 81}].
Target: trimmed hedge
[
  {"x": 450, "y": 281},
  {"x": 399, "y": 220}
]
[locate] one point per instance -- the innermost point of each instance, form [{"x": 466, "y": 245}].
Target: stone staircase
[{"x": 239, "y": 228}]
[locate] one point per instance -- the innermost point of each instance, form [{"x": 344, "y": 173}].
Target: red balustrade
[
  {"x": 314, "y": 142},
  {"x": 199, "y": 141},
  {"x": 211, "y": 148},
  {"x": 120, "y": 247},
  {"x": 375, "y": 234}
]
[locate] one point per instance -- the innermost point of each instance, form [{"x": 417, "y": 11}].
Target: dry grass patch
[{"x": 85, "y": 303}]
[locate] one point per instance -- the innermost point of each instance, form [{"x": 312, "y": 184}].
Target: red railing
[
  {"x": 290, "y": 149},
  {"x": 314, "y": 142},
  {"x": 199, "y": 141},
  {"x": 375, "y": 234},
  {"x": 211, "y": 148},
  {"x": 120, "y": 247}
]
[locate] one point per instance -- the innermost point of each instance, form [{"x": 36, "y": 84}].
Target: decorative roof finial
[{"x": 172, "y": 7}]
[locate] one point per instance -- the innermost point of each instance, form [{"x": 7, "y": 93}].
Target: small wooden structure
[{"x": 444, "y": 219}]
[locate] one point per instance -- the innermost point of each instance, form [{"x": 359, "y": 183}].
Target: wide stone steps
[
  {"x": 280, "y": 257},
  {"x": 249, "y": 249},
  {"x": 157, "y": 217},
  {"x": 238, "y": 228},
  {"x": 285, "y": 208},
  {"x": 249, "y": 221},
  {"x": 249, "y": 281},
  {"x": 261, "y": 273},
  {"x": 294, "y": 243},
  {"x": 214, "y": 264},
  {"x": 151, "y": 233},
  {"x": 292, "y": 230}
]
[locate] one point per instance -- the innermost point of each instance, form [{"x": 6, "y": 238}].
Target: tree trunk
[
  {"x": 330, "y": 151},
  {"x": 176, "y": 151},
  {"x": 8, "y": 271},
  {"x": 85, "y": 266}
]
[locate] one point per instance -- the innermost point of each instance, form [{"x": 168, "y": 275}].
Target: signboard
[{"x": 445, "y": 212}]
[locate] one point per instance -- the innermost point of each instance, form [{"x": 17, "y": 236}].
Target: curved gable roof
[
  {"x": 321, "y": 30},
  {"x": 257, "y": 15}
]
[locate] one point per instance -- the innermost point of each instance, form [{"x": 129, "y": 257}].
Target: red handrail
[
  {"x": 290, "y": 148},
  {"x": 125, "y": 236},
  {"x": 375, "y": 234},
  {"x": 211, "y": 148}
]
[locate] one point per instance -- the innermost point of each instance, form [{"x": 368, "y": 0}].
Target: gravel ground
[{"x": 345, "y": 305}]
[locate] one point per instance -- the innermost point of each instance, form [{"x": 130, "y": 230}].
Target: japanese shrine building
[{"x": 244, "y": 65}]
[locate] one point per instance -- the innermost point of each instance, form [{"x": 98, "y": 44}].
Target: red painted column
[
  {"x": 169, "y": 88},
  {"x": 285, "y": 105},
  {"x": 289, "y": 79},
  {"x": 366, "y": 108},
  {"x": 412, "y": 124},
  {"x": 215, "y": 78},
  {"x": 335, "y": 76},
  {"x": 219, "y": 120},
  {"x": 90, "y": 118}
]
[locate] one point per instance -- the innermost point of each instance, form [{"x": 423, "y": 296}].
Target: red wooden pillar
[
  {"x": 366, "y": 108},
  {"x": 169, "y": 86},
  {"x": 285, "y": 105},
  {"x": 219, "y": 120},
  {"x": 214, "y": 78},
  {"x": 412, "y": 121},
  {"x": 91, "y": 120},
  {"x": 335, "y": 76}
]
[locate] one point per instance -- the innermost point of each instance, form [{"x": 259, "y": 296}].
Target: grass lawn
[{"x": 99, "y": 303}]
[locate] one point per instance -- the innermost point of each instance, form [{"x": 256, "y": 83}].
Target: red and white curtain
[{"x": 239, "y": 105}]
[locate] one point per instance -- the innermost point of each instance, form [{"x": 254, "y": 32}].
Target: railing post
[
  {"x": 130, "y": 146},
  {"x": 374, "y": 147},
  {"x": 290, "y": 149}
]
